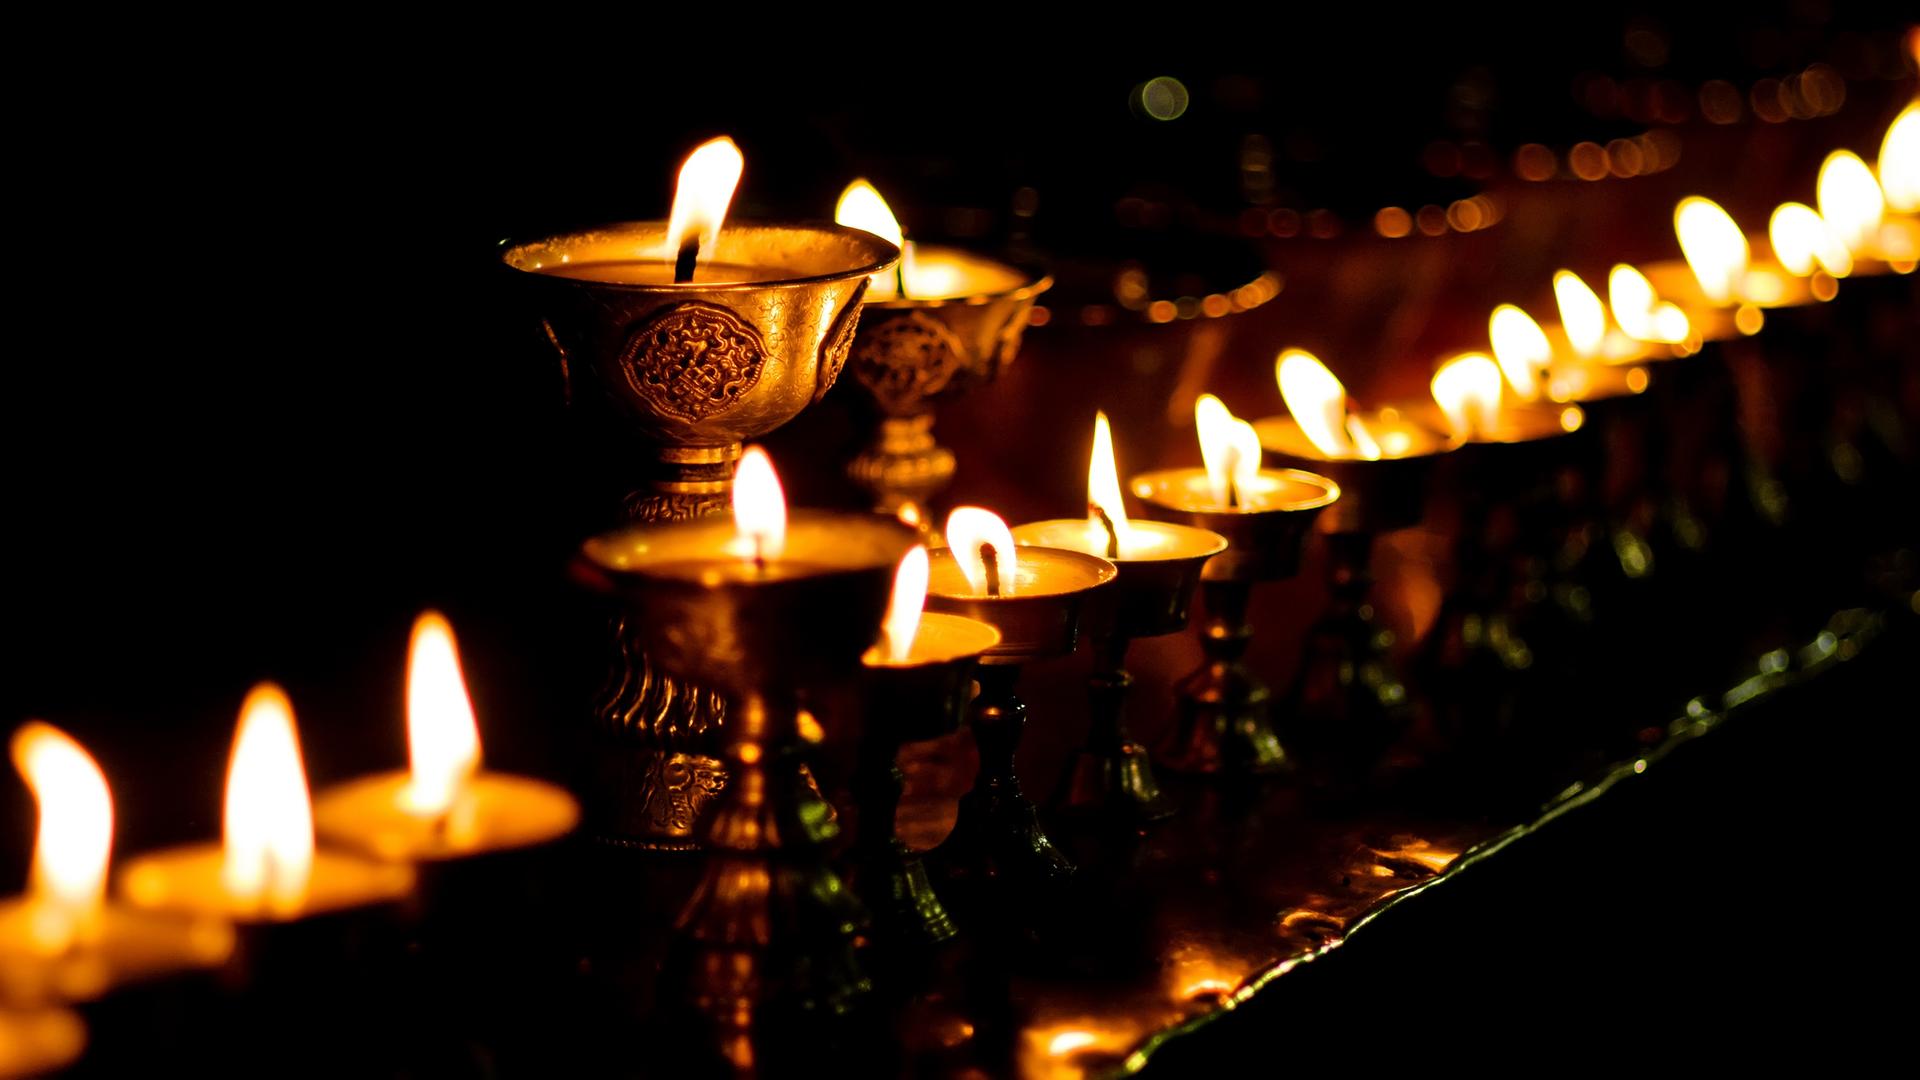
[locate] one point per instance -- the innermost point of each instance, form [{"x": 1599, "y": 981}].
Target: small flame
[
  {"x": 903, "y": 609},
  {"x": 1640, "y": 312},
  {"x": 759, "y": 507},
  {"x": 1467, "y": 389},
  {"x": 1103, "y": 491},
  {"x": 861, "y": 207},
  {"x": 443, "y": 739},
  {"x": 269, "y": 818},
  {"x": 1522, "y": 349},
  {"x": 1317, "y": 401},
  {"x": 1715, "y": 248},
  {"x": 75, "y": 837},
  {"x": 1581, "y": 313},
  {"x": 1802, "y": 241},
  {"x": 704, "y": 192},
  {"x": 1900, "y": 161},
  {"x": 1850, "y": 200},
  {"x": 969, "y": 528}
]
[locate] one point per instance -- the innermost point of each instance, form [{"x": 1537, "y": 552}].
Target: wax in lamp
[
  {"x": 443, "y": 806},
  {"x": 62, "y": 940},
  {"x": 982, "y": 562},
  {"x": 924, "y": 273},
  {"x": 267, "y": 868},
  {"x": 1108, "y": 532},
  {"x": 911, "y": 636}
]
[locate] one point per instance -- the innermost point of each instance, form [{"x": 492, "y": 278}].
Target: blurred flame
[
  {"x": 1316, "y": 399},
  {"x": 1581, "y": 313},
  {"x": 1802, "y": 241},
  {"x": 1364, "y": 445},
  {"x": 1068, "y": 1041},
  {"x": 1103, "y": 490},
  {"x": 1640, "y": 312},
  {"x": 1229, "y": 447},
  {"x": 704, "y": 192},
  {"x": 1900, "y": 161},
  {"x": 71, "y": 846},
  {"x": 861, "y": 207},
  {"x": 1243, "y": 458},
  {"x": 1715, "y": 248},
  {"x": 1522, "y": 349},
  {"x": 1467, "y": 389},
  {"x": 759, "y": 507},
  {"x": 1850, "y": 199},
  {"x": 904, "y": 607},
  {"x": 443, "y": 739},
  {"x": 268, "y": 852},
  {"x": 968, "y": 529}
]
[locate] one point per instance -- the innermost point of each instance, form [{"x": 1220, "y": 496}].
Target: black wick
[
  {"x": 1113, "y": 534},
  {"x": 992, "y": 560}
]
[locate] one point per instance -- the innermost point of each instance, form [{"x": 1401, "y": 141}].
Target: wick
[
  {"x": 1113, "y": 534},
  {"x": 1233, "y": 495},
  {"x": 900, "y": 277},
  {"x": 689, "y": 255},
  {"x": 759, "y": 554},
  {"x": 992, "y": 560}
]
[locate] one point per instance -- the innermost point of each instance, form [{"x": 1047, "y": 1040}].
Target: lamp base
[{"x": 1223, "y": 725}]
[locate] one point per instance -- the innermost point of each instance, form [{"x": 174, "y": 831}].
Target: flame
[
  {"x": 1850, "y": 199},
  {"x": 968, "y": 529},
  {"x": 903, "y": 609},
  {"x": 1230, "y": 449},
  {"x": 1316, "y": 399},
  {"x": 1467, "y": 389},
  {"x": 269, "y": 818},
  {"x": 704, "y": 192},
  {"x": 1364, "y": 445},
  {"x": 1522, "y": 349},
  {"x": 1581, "y": 314},
  {"x": 1900, "y": 161},
  {"x": 1802, "y": 241},
  {"x": 443, "y": 739},
  {"x": 1640, "y": 312},
  {"x": 1103, "y": 490},
  {"x": 1067, "y": 1042},
  {"x": 74, "y": 839},
  {"x": 1715, "y": 248},
  {"x": 861, "y": 207},
  {"x": 759, "y": 507}
]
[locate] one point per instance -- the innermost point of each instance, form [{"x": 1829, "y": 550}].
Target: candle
[
  {"x": 1720, "y": 273},
  {"x": 1899, "y": 164},
  {"x": 1324, "y": 426},
  {"x": 62, "y": 940},
  {"x": 1030, "y": 594},
  {"x": 267, "y": 868},
  {"x": 1584, "y": 338}
]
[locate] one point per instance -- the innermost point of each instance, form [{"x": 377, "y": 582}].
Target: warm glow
[
  {"x": 1229, "y": 448},
  {"x": 1103, "y": 493},
  {"x": 1581, "y": 313},
  {"x": 861, "y": 207},
  {"x": 1317, "y": 401},
  {"x": 704, "y": 192},
  {"x": 1364, "y": 444},
  {"x": 1572, "y": 417},
  {"x": 1640, "y": 312},
  {"x": 443, "y": 739},
  {"x": 1900, "y": 161},
  {"x": 970, "y": 528},
  {"x": 903, "y": 609},
  {"x": 268, "y": 852},
  {"x": 1715, "y": 248},
  {"x": 1068, "y": 1041},
  {"x": 1467, "y": 389},
  {"x": 74, "y": 838},
  {"x": 1850, "y": 200},
  {"x": 759, "y": 507},
  {"x": 1522, "y": 349},
  {"x": 1802, "y": 242}
]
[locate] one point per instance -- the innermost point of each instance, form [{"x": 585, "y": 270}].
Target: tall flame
[
  {"x": 904, "y": 607},
  {"x": 1229, "y": 448},
  {"x": 1316, "y": 399},
  {"x": 74, "y": 840},
  {"x": 705, "y": 190},
  {"x": 1715, "y": 248},
  {"x": 1900, "y": 161},
  {"x": 443, "y": 738},
  {"x": 1467, "y": 389},
  {"x": 861, "y": 207},
  {"x": 1640, "y": 312},
  {"x": 1103, "y": 491},
  {"x": 268, "y": 853},
  {"x": 1522, "y": 349},
  {"x": 1802, "y": 241},
  {"x": 759, "y": 507},
  {"x": 1581, "y": 314},
  {"x": 969, "y": 528},
  {"x": 1850, "y": 200}
]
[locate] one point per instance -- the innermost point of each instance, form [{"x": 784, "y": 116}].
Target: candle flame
[
  {"x": 67, "y": 884},
  {"x": 1103, "y": 492},
  {"x": 1581, "y": 314},
  {"x": 909, "y": 599},
  {"x": 759, "y": 507},
  {"x": 1640, "y": 312},
  {"x": 1467, "y": 389},
  {"x": 1522, "y": 349},
  {"x": 861, "y": 207},
  {"x": 1715, "y": 248},
  {"x": 268, "y": 851},
  {"x": 443, "y": 739},
  {"x": 1900, "y": 161},
  {"x": 1850, "y": 200},
  {"x": 1364, "y": 444},
  {"x": 705, "y": 190},
  {"x": 969, "y": 528},
  {"x": 1317, "y": 401},
  {"x": 1802, "y": 241},
  {"x": 1229, "y": 448}
]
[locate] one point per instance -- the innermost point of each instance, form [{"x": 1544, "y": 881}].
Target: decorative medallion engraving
[
  {"x": 839, "y": 343},
  {"x": 693, "y": 360},
  {"x": 905, "y": 360}
]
